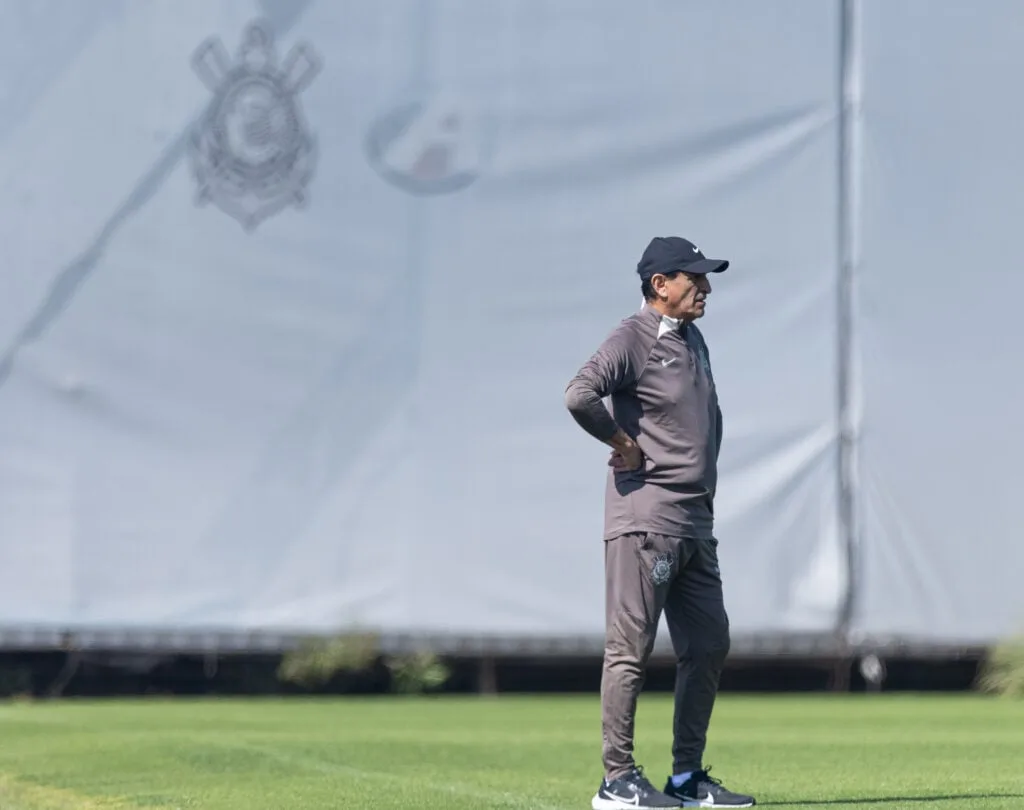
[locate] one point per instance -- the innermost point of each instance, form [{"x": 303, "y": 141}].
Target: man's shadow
[{"x": 889, "y": 799}]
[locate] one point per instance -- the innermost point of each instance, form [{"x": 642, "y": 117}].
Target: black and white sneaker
[
  {"x": 701, "y": 790},
  {"x": 631, "y": 791}
]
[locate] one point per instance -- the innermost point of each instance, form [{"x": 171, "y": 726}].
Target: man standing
[{"x": 665, "y": 431}]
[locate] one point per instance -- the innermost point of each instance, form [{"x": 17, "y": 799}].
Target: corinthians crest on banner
[{"x": 251, "y": 152}]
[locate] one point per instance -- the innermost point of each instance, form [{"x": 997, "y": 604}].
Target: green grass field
[{"x": 508, "y": 752}]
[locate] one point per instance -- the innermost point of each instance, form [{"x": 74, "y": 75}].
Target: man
[{"x": 665, "y": 431}]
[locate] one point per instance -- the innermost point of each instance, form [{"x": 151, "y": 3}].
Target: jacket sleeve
[{"x": 611, "y": 368}]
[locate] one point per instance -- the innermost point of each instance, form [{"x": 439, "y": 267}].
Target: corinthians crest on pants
[
  {"x": 251, "y": 152},
  {"x": 661, "y": 570}
]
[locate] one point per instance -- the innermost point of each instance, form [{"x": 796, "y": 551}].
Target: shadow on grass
[{"x": 889, "y": 799}]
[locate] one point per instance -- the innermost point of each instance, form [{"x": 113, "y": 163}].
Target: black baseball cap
[{"x": 666, "y": 254}]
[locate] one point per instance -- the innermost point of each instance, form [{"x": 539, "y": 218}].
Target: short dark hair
[{"x": 648, "y": 291}]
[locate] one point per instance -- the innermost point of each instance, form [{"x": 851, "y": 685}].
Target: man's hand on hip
[{"x": 626, "y": 454}]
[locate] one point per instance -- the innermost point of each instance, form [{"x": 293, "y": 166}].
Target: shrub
[
  {"x": 417, "y": 673},
  {"x": 316, "y": 661},
  {"x": 1002, "y": 672}
]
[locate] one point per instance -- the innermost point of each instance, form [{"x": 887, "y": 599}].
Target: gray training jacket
[{"x": 663, "y": 396}]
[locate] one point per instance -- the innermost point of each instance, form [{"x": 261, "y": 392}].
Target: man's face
[{"x": 683, "y": 294}]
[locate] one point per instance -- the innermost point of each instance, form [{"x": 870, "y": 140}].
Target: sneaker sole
[
  {"x": 597, "y": 803},
  {"x": 711, "y": 803}
]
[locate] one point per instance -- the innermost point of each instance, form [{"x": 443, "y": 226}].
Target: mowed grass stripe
[
  {"x": 16, "y": 795},
  {"x": 512, "y": 753}
]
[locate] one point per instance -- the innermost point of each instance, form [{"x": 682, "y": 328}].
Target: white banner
[
  {"x": 292, "y": 292},
  {"x": 941, "y": 343}
]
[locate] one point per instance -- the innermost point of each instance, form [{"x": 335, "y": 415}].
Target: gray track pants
[{"x": 644, "y": 575}]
